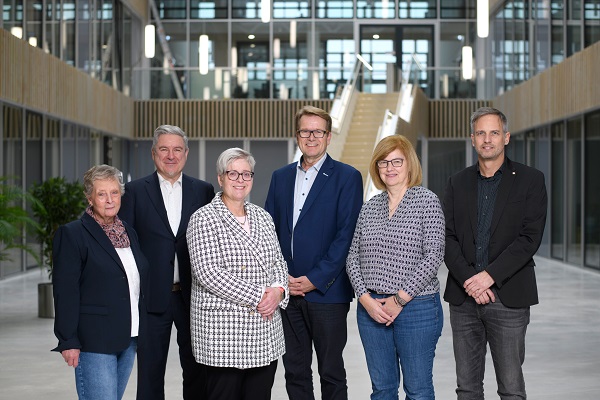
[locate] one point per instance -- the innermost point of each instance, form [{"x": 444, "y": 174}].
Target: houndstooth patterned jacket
[{"x": 230, "y": 270}]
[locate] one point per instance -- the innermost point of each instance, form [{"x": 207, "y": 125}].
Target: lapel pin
[
  {"x": 325, "y": 174},
  {"x": 514, "y": 173}
]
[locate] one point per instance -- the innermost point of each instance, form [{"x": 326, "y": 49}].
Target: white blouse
[{"x": 133, "y": 279}]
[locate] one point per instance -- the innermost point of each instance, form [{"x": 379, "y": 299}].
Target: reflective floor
[{"x": 562, "y": 359}]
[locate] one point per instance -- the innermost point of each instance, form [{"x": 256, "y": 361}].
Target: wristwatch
[{"x": 399, "y": 300}]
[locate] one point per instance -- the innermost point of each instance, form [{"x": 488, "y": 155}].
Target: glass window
[
  {"x": 253, "y": 52},
  {"x": 375, "y": 9},
  {"x": 557, "y": 192},
  {"x": 592, "y": 188},
  {"x": 270, "y": 155},
  {"x": 291, "y": 9},
  {"x": 592, "y": 22},
  {"x": 12, "y": 149},
  {"x": 289, "y": 63},
  {"x": 335, "y": 9},
  {"x": 542, "y": 163},
  {"x": 558, "y": 53},
  {"x": 573, "y": 189},
  {"x": 172, "y": 9},
  {"x": 516, "y": 148},
  {"x": 458, "y": 9},
  {"x": 445, "y": 158},
  {"x": 69, "y": 152},
  {"x": 417, "y": 9},
  {"x": 201, "y": 9},
  {"x": 573, "y": 39},
  {"x": 556, "y": 7},
  {"x": 12, "y": 13},
  {"x": 83, "y": 152},
  {"x": 12, "y": 162},
  {"x": 194, "y": 85},
  {"x": 378, "y": 48},
  {"x": 247, "y": 9},
  {"x": 336, "y": 55},
  {"x": 574, "y": 9}
]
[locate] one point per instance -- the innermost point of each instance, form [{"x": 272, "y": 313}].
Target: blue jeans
[
  {"x": 407, "y": 345},
  {"x": 104, "y": 376},
  {"x": 473, "y": 327}
]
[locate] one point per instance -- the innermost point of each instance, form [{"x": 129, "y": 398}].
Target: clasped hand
[
  {"x": 300, "y": 286},
  {"x": 269, "y": 303},
  {"x": 478, "y": 287},
  {"x": 383, "y": 311}
]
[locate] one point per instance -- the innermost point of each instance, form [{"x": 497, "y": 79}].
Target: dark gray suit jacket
[{"x": 143, "y": 208}]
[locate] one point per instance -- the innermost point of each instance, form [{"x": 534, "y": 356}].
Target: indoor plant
[
  {"x": 58, "y": 202},
  {"x": 13, "y": 219}
]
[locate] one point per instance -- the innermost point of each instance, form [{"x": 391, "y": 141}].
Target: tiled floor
[{"x": 562, "y": 361}]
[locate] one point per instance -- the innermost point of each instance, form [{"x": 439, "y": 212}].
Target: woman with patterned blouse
[
  {"x": 396, "y": 251},
  {"x": 239, "y": 283}
]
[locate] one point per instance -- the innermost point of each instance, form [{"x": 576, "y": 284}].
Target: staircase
[{"x": 367, "y": 118}]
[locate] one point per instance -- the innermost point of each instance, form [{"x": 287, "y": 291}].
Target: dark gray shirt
[{"x": 487, "y": 188}]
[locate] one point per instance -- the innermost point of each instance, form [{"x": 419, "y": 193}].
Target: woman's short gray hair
[
  {"x": 101, "y": 172},
  {"x": 230, "y": 155}
]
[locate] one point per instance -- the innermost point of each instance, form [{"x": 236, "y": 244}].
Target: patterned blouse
[{"x": 403, "y": 252}]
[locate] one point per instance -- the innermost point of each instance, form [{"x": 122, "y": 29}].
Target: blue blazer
[
  {"x": 324, "y": 230},
  {"x": 143, "y": 208},
  {"x": 91, "y": 292},
  {"x": 516, "y": 233}
]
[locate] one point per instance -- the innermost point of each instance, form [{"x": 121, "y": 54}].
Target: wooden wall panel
[
  {"x": 222, "y": 119},
  {"x": 450, "y": 118},
  {"x": 567, "y": 89},
  {"x": 41, "y": 82}
]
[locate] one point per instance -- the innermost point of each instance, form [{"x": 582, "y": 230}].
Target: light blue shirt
[{"x": 304, "y": 182}]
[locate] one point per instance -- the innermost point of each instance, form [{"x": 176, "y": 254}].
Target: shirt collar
[
  {"x": 496, "y": 174},
  {"x": 317, "y": 166},
  {"x": 163, "y": 181}
]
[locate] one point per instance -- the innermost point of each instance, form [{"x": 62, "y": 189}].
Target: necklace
[{"x": 245, "y": 218}]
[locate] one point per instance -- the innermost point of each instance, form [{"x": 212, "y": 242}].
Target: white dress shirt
[{"x": 172, "y": 197}]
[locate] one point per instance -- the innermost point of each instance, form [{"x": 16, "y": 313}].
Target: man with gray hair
[{"x": 159, "y": 207}]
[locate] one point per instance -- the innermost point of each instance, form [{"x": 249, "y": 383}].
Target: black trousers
[
  {"x": 240, "y": 384},
  {"x": 324, "y": 326},
  {"x": 153, "y": 349}
]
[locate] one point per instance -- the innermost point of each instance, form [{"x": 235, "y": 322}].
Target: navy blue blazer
[
  {"x": 91, "y": 291},
  {"x": 516, "y": 233},
  {"x": 324, "y": 230},
  {"x": 143, "y": 208}
]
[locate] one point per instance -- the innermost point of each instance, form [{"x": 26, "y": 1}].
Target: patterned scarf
[{"x": 115, "y": 231}]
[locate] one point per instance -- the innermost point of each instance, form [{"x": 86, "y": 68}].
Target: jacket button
[
  {"x": 243, "y": 267},
  {"x": 251, "y": 312}
]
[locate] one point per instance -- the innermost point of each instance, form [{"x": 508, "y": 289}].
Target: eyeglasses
[
  {"x": 317, "y": 133},
  {"x": 234, "y": 175},
  {"x": 396, "y": 162}
]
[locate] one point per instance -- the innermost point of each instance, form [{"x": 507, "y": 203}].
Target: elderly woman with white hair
[
  {"x": 239, "y": 284},
  {"x": 99, "y": 276}
]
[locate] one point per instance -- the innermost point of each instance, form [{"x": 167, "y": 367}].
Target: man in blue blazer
[
  {"x": 315, "y": 204},
  {"x": 495, "y": 216},
  {"x": 159, "y": 207}
]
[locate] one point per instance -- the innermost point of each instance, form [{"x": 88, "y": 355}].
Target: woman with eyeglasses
[
  {"x": 239, "y": 284},
  {"x": 396, "y": 251}
]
